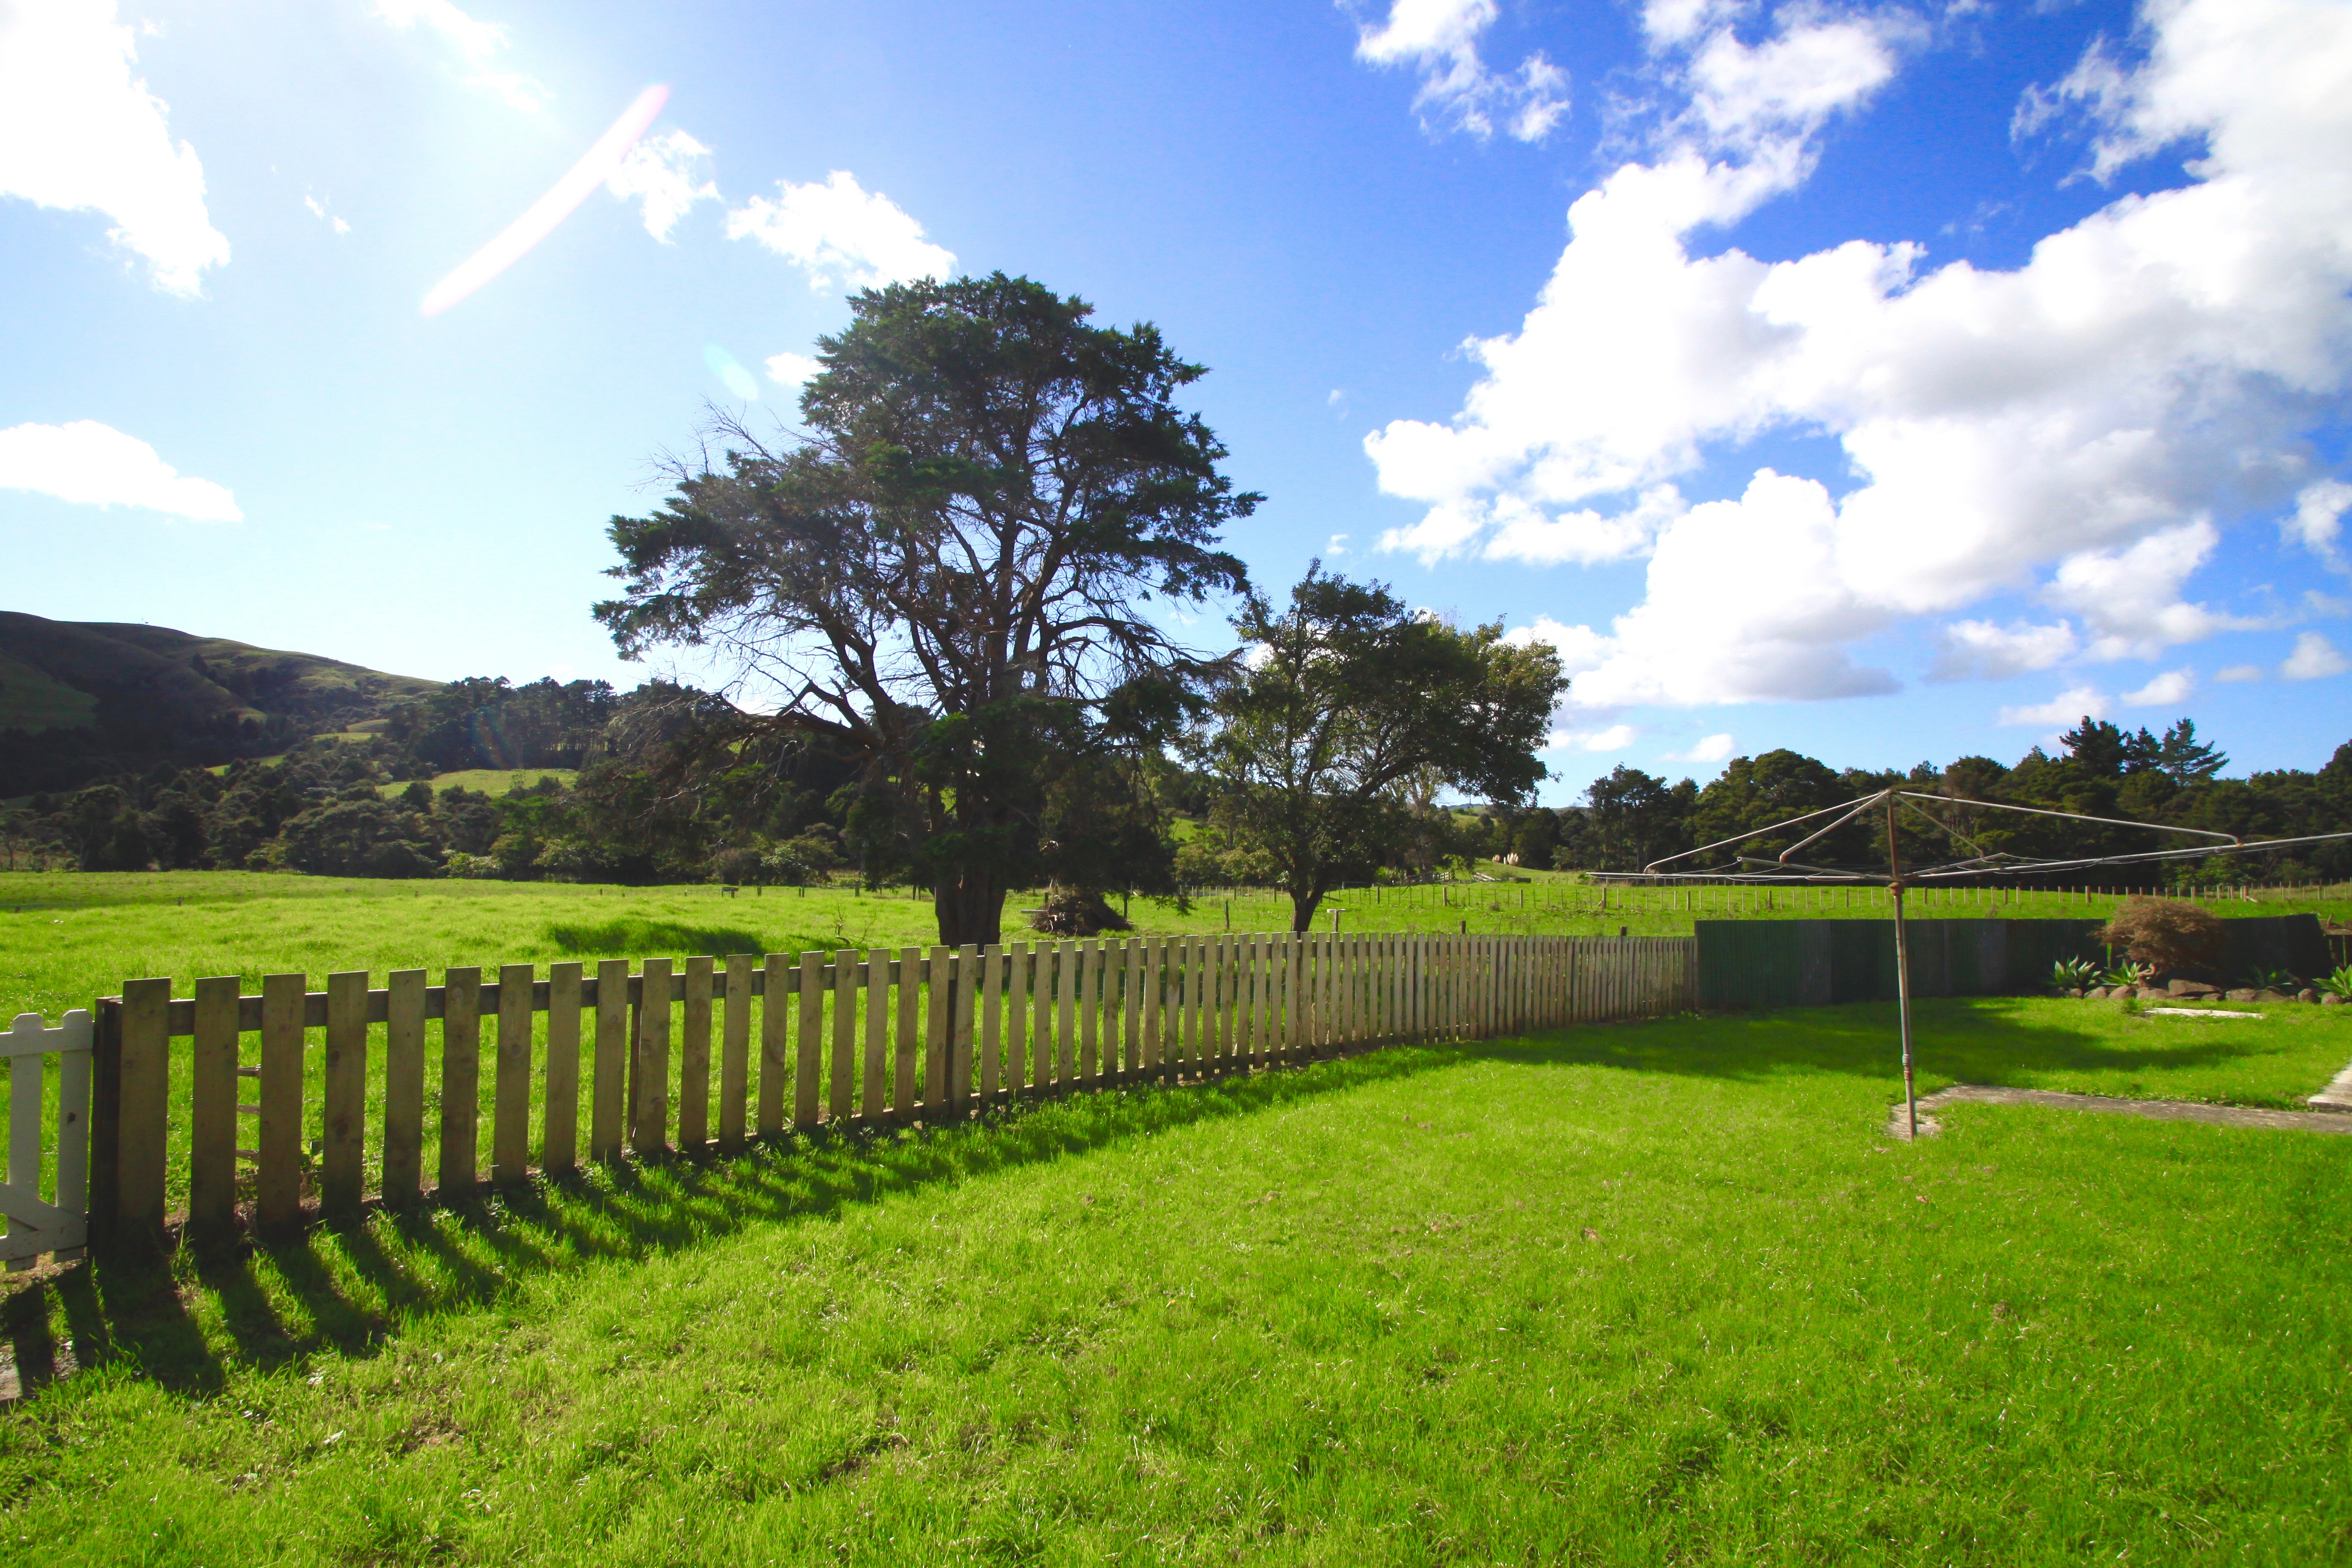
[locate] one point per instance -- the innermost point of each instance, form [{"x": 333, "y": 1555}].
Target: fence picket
[
  {"x": 694, "y": 1055},
  {"x": 841, "y": 1093},
  {"x": 277, "y": 1184},
  {"x": 559, "y": 1141},
  {"x": 404, "y": 1087},
  {"x": 510, "y": 1102},
  {"x": 808, "y": 1058},
  {"x": 212, "y": 1104},
  {"x": 342, "y": 1173},
  {"x": 649, "y": 1115},
  {"x": 608, "y": 1101},
  {"x": 734, "y": 1052}
]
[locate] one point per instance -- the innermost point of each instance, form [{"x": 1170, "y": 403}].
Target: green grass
[
  {"x": 1638, "y": 1294},
  {"x": 66, "y": 937},
  {"x": 488, "y": 781}
]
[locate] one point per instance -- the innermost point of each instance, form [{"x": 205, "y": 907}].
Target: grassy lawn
[
  {"x": 66, "y": 937},
  {"x": 1637, "y": 1294}
]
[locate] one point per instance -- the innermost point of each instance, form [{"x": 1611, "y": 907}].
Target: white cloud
[
  {"x": 2075, "y": 702},
  {"x": 2158, "y": 362},
  {"x": 1712, "y": 749},
  {"x": 476, "y": 41},
  {"x": 1440, "y": 38},
  {"x": 2313, "y": 657},
  {"x": 841, "y": 235},
  {"x": 318, "y": 210},
  {"x": 2318, "y": 519},
  {"x": 793, "y": 370},
  {"x": 1337, "y": 546},
  {"x": 659, "y": 172},
  {"x": 1524, "y": 533},
  {"x": 1979, "y": 650},
  {"x": 1615, "y": 738},
  {"x": 96, "y": 464},
  {"x": 2132, "y": 596},
  {"x": 80, "y": 132},
  {"x": 2166, "y": 691},
  {"x": 2239, "y": 672}
]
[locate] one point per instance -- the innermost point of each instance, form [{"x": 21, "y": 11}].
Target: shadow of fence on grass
[
  {"x": 1963, "y": 1039},
  {"x": 347, "y": 1285}
]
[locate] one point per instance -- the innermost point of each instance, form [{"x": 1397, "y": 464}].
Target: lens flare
[
  {"x": 539, "y": 220},
  {"x": 725, "y": 367}
]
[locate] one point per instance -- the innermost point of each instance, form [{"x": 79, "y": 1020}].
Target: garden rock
[
  {"x": 2096, "y": 993},
  {"x": 2306, "y": 994},
  {"x": 2190, "y": 988},
  {"x": 2244, "y": 994}
]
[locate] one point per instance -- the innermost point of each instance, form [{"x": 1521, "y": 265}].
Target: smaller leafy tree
[
  {"x": 1351, "y": 710},
  {"x": 2165, "y": 933}
]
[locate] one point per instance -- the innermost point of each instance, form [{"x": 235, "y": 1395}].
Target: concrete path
[{"x": 2154, "y": 1109}]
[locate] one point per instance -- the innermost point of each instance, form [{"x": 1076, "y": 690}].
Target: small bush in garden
[
  {"x": 2339, "y": 984},
  {"x": 1073, "y": 913},
  {"x": 2165, "y": 933},
  {"x": 2127, "y": 974}
]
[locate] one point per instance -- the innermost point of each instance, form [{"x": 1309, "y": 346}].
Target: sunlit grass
[{"x": 1638, "y": 1294}]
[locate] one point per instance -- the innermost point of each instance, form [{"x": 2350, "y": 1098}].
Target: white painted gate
[{"x": 61, "y": 1224}]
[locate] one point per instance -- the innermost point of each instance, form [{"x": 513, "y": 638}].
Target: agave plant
[
  {"x": 2127, "y": 974},
  {"x": 2275, "y": 979},
  {"x": 2339, "y": 984},
  {"x": 2073, "y": 974}
]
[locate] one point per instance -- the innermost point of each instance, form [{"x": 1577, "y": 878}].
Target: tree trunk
[
  {"x": 1303, "y": 905},
  {"x": 970, "y": 909}
]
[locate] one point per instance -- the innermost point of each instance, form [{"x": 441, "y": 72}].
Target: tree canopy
[
  {"x": 1349, "y": 713},
  {"x": 946, "y": 576}
]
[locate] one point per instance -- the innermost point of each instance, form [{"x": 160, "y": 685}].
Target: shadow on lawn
[
  {"x": 1964, "y": 1041},
  {"x": 357, "y": 1279}
]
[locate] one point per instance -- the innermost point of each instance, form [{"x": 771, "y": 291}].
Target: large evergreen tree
[{"x": 947, "y": 578}]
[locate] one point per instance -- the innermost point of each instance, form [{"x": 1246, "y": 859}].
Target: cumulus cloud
[
  {"x": 2066, "y": 428},
  {"x": 96, "y": 464},
  {"x": 793, "y": 370},
  {"x": 2313, "y": 657},
  {"x": 659, "y": 174},
  {"x": 841, "y": 235},
  {"x": 476, "y": 41},
  {"x": 2317, "y": 521},
  {"x": 1979, "y": 650},
  {"x": 2132, "y": 596},
  {"x": 1615, "y": 738},
  {"x": 2075, "y": 702},
  {"x": 1440, "y": 39},
  {"x": 2166, "y": 691},
  {"x": 1712, "y": 749},
  {"x": 80, "y": 132}
]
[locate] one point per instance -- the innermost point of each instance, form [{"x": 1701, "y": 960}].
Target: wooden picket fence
[{"x": 797, "y": 1042}]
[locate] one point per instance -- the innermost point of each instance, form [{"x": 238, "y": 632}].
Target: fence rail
[{"x": 768, "y": 1042}]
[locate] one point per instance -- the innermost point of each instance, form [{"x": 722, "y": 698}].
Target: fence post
[
  {"x": 143, "y": 1088},
  {"x": 277, "y": 1184}
]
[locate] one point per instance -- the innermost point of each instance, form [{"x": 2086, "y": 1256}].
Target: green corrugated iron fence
[{"x": 1795, "y": 964}]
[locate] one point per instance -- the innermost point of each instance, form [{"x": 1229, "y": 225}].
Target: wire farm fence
[{"x": 221, "y": 1108}]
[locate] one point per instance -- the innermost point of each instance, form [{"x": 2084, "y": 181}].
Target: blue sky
[{"x": 1887, "y": 382}]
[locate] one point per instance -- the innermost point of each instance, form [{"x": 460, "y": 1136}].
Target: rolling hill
[{"x": 92, "y": 696}]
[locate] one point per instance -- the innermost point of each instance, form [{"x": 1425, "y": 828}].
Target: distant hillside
[{"x": 103, "y": 696}]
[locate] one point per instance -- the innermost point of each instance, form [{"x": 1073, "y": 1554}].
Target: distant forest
[{"x": 669, "y": 784}]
